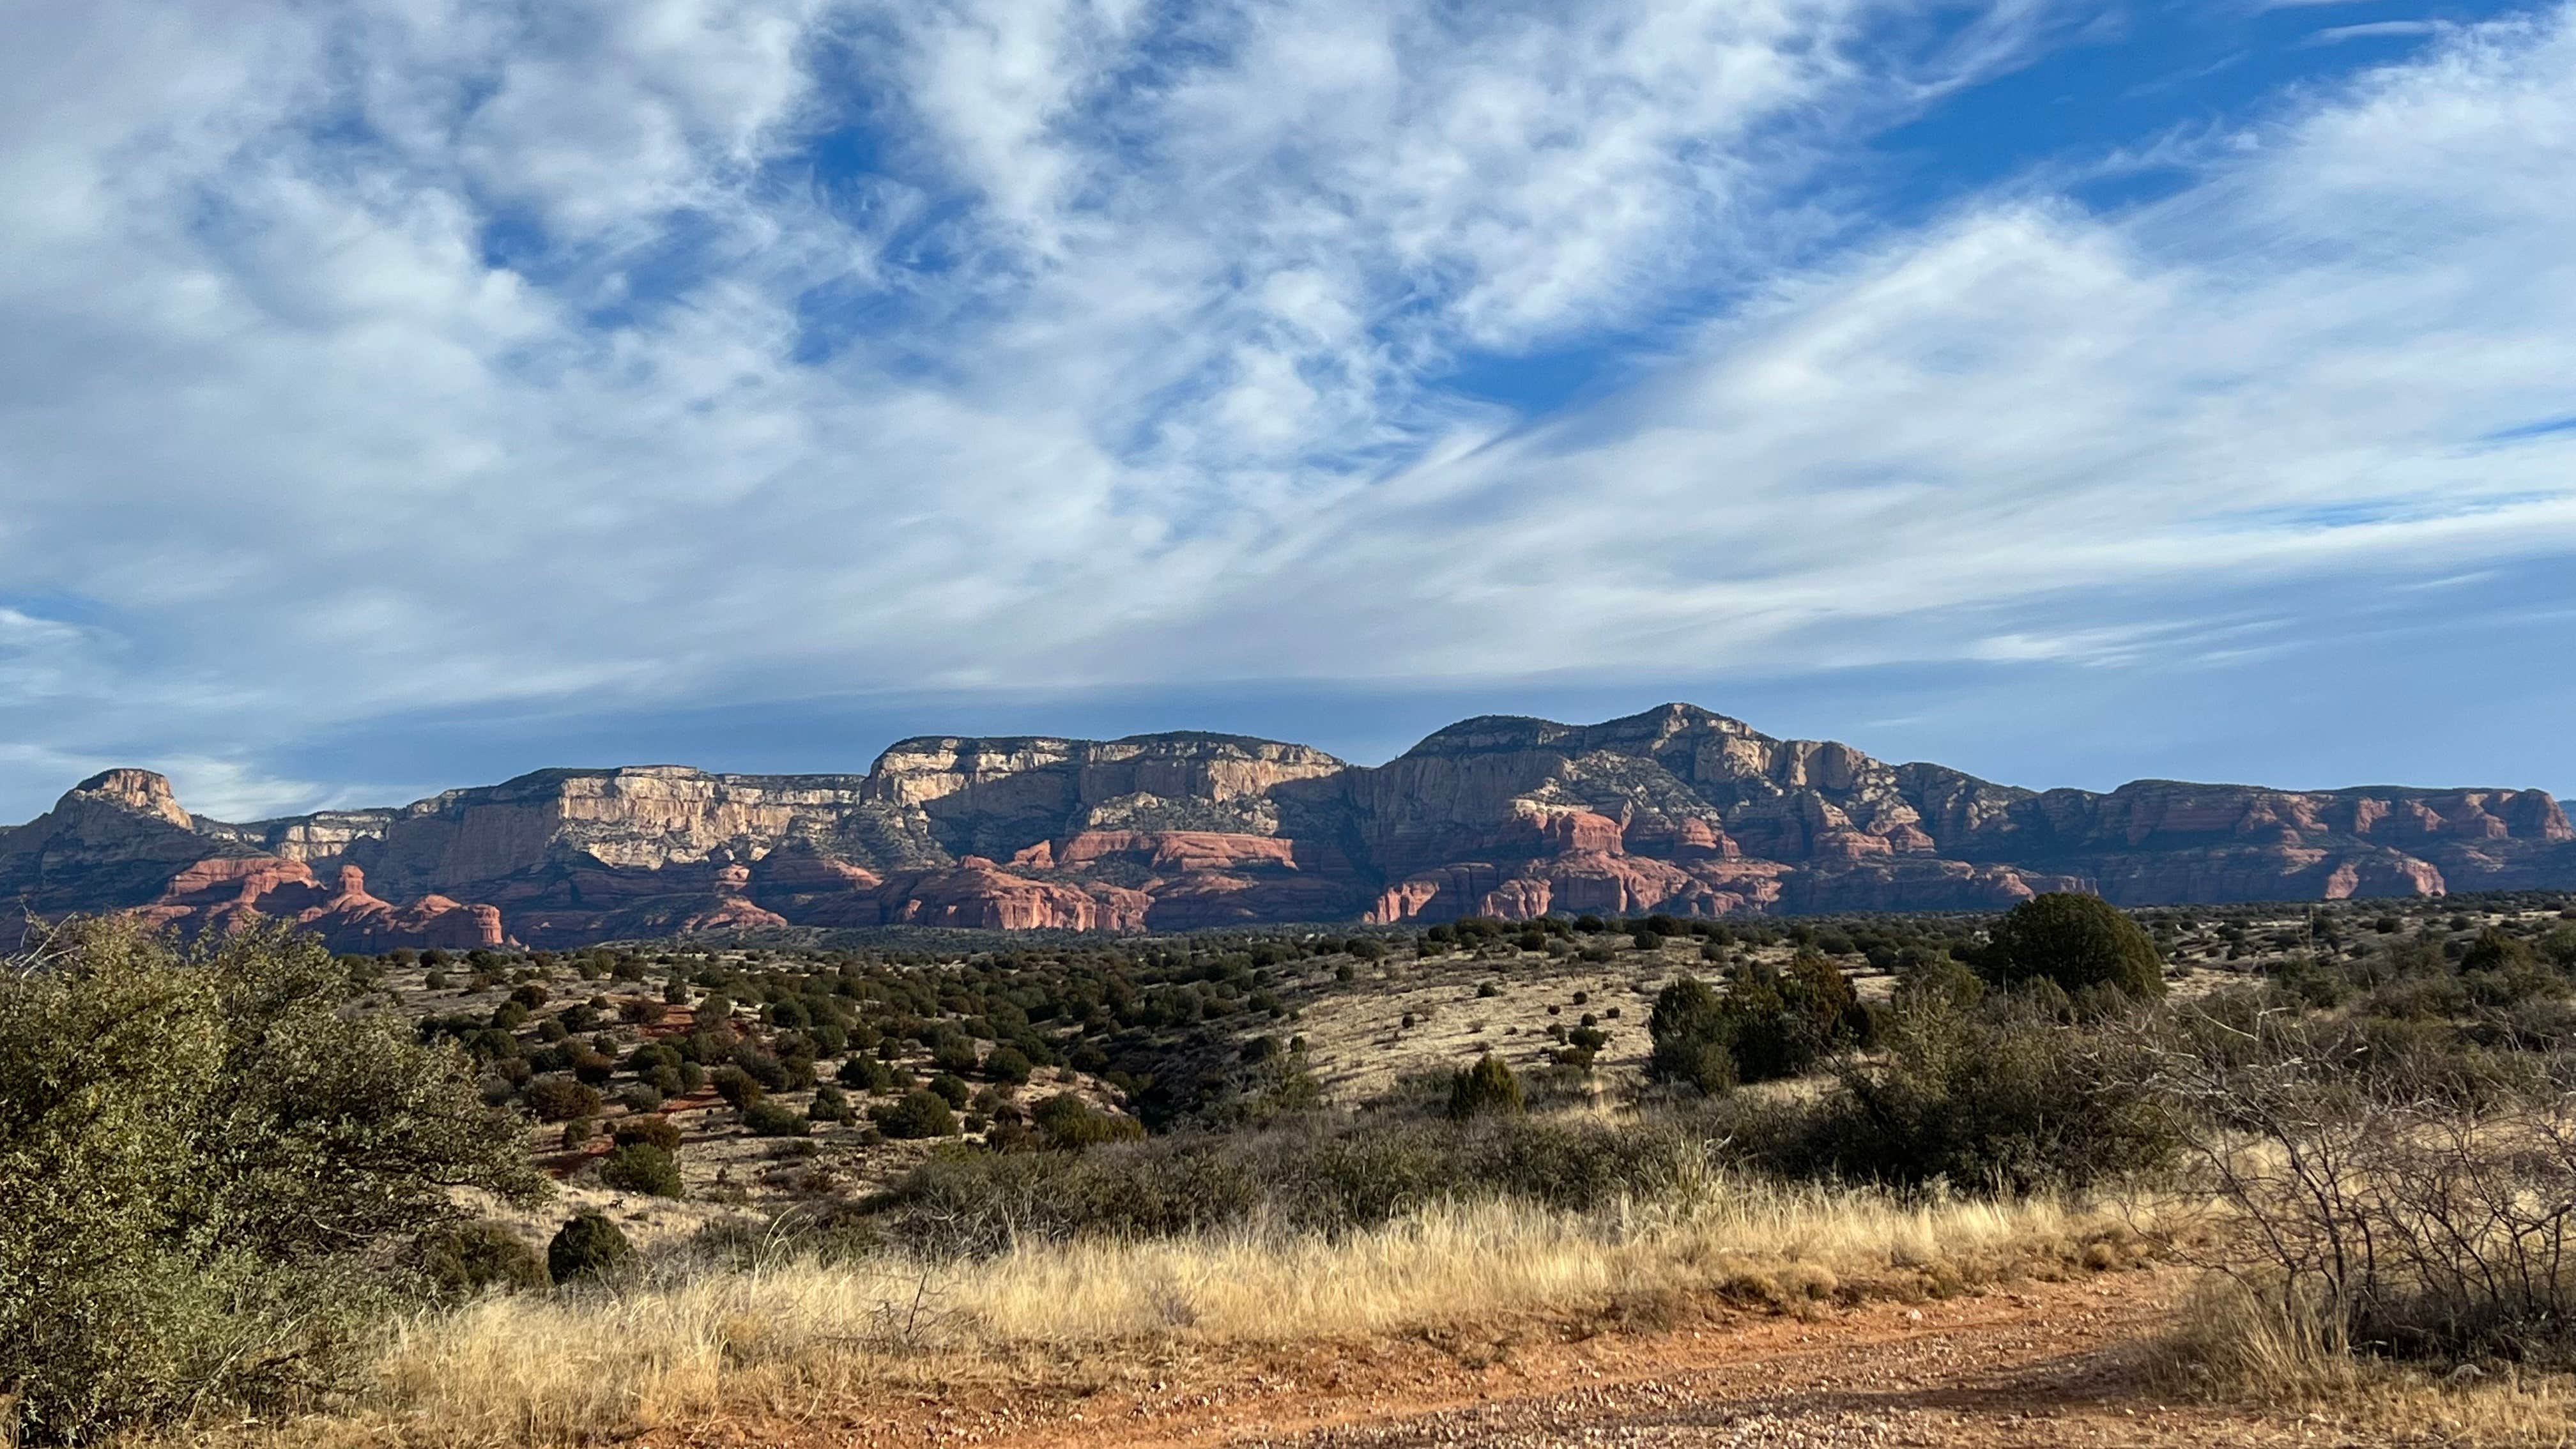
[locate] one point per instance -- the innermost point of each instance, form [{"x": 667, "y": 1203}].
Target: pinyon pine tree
[{"x": 205, "y": 1163}]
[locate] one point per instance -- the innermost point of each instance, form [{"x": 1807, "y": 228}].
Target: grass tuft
[{"x": 2231, "y": 1342}]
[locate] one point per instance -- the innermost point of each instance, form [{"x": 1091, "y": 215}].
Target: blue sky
[{"x": 408, "y": 393}]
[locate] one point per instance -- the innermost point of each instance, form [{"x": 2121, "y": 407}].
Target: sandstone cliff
[
  {"x": 121, "y": 842},
  {"x": 1676, "y": 809}
]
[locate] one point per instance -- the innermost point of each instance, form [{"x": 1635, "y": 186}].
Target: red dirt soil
[{"x": 2044, "y": 1365}]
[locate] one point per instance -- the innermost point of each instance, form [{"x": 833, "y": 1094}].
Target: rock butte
[{"x": 1675, "y": 810}]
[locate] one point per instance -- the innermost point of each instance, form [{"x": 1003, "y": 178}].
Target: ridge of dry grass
[
  {"x": 555, "y": 1369},
  {"x": 2231, "y": 1343}
]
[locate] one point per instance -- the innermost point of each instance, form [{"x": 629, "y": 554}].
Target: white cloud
[
  {"x": 41, "y": 658},
  {"x": 2375, "y": 30},
  {"x": 2285, "y": 370},
  {"x": 426, "y": 353}
]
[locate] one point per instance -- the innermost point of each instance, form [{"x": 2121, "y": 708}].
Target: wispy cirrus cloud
[
  {"x": 2375, "y": 30},
  {"x": 2284, "y": 369},
  {"x": 386, "y": 358}
]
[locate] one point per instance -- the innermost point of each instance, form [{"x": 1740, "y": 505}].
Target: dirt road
[{"x": 2054, "y": 1365}]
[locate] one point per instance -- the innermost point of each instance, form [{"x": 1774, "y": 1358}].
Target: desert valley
[{"x": 798, "y": 724}]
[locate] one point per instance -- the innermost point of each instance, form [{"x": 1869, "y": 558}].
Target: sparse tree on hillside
[
  {"x": 1689, "y": 1030},
  {"x": 2075, "y": 941},
  {"x": 1488, "y": 1087}
]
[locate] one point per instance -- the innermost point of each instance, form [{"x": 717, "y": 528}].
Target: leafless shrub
[{"x": 2407, "y": 1205}]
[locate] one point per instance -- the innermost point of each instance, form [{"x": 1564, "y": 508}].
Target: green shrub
[
  {"x": 588, "y": 1247},
  {"x": 2494, "y": 950},
  {"x": 1768, "y": 1024},
  {"x": 2560, "y": 947},
  {"x": 775, "y": 1119},
  {"x": 2313, "y": 985},
  {"x": 558, "y": 1098},
  {"x": 865, "y": 1074},
  {"x": 1582, "y": 1046},
  {"x": 1488, "y": 1087},
  {"x": 641, "y": 1167},
  {"x": 659, "y": 1132},
  {"x": 737, "y": 1087},
  {"x": 831, "y": 1104},
  {"x": 1689, "y": 1029},
  {"x": 954, "y": 1055},
  {"x": 201, "y": 1159},
  {"x": 2075, "y": 941},
  {"x": 1068, "y": 1123},
  {"x": 462, "y": 1259},
  {"x": 1991, "y": 1093},
  {"x": 1008, "y": 1064},
  {"x": 951, "y": 1088},
  {"x": 1310, "y": 1174},
  {"x": 1779, "y": 1024},
  {"x": 770, "y": 1072},
  {"x": 2418, "y": 998},
  {"x": 918, "y": 1114}
]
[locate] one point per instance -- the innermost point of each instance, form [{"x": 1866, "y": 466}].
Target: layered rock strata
[{"x": 1676, "y": 809}]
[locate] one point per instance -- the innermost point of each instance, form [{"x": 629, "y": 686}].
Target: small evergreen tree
[
  {"x": 641, "y": 1167},
  {"x": 588, "y": 1246},
  {"x": 1488, "y": 1087},
  {"x": 1689, "y": 1029},
  {"x": 2493, "y": 950},
  {"x": 2076, "y": 941},
  {"x": 773, "y": 1119},
  {"x": 919, "y": 1114}
]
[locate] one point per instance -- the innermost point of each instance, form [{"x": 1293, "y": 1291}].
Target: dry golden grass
[
  {"x": 559, "y": 1369},
  {"x": 2232, "y": 1343}
]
